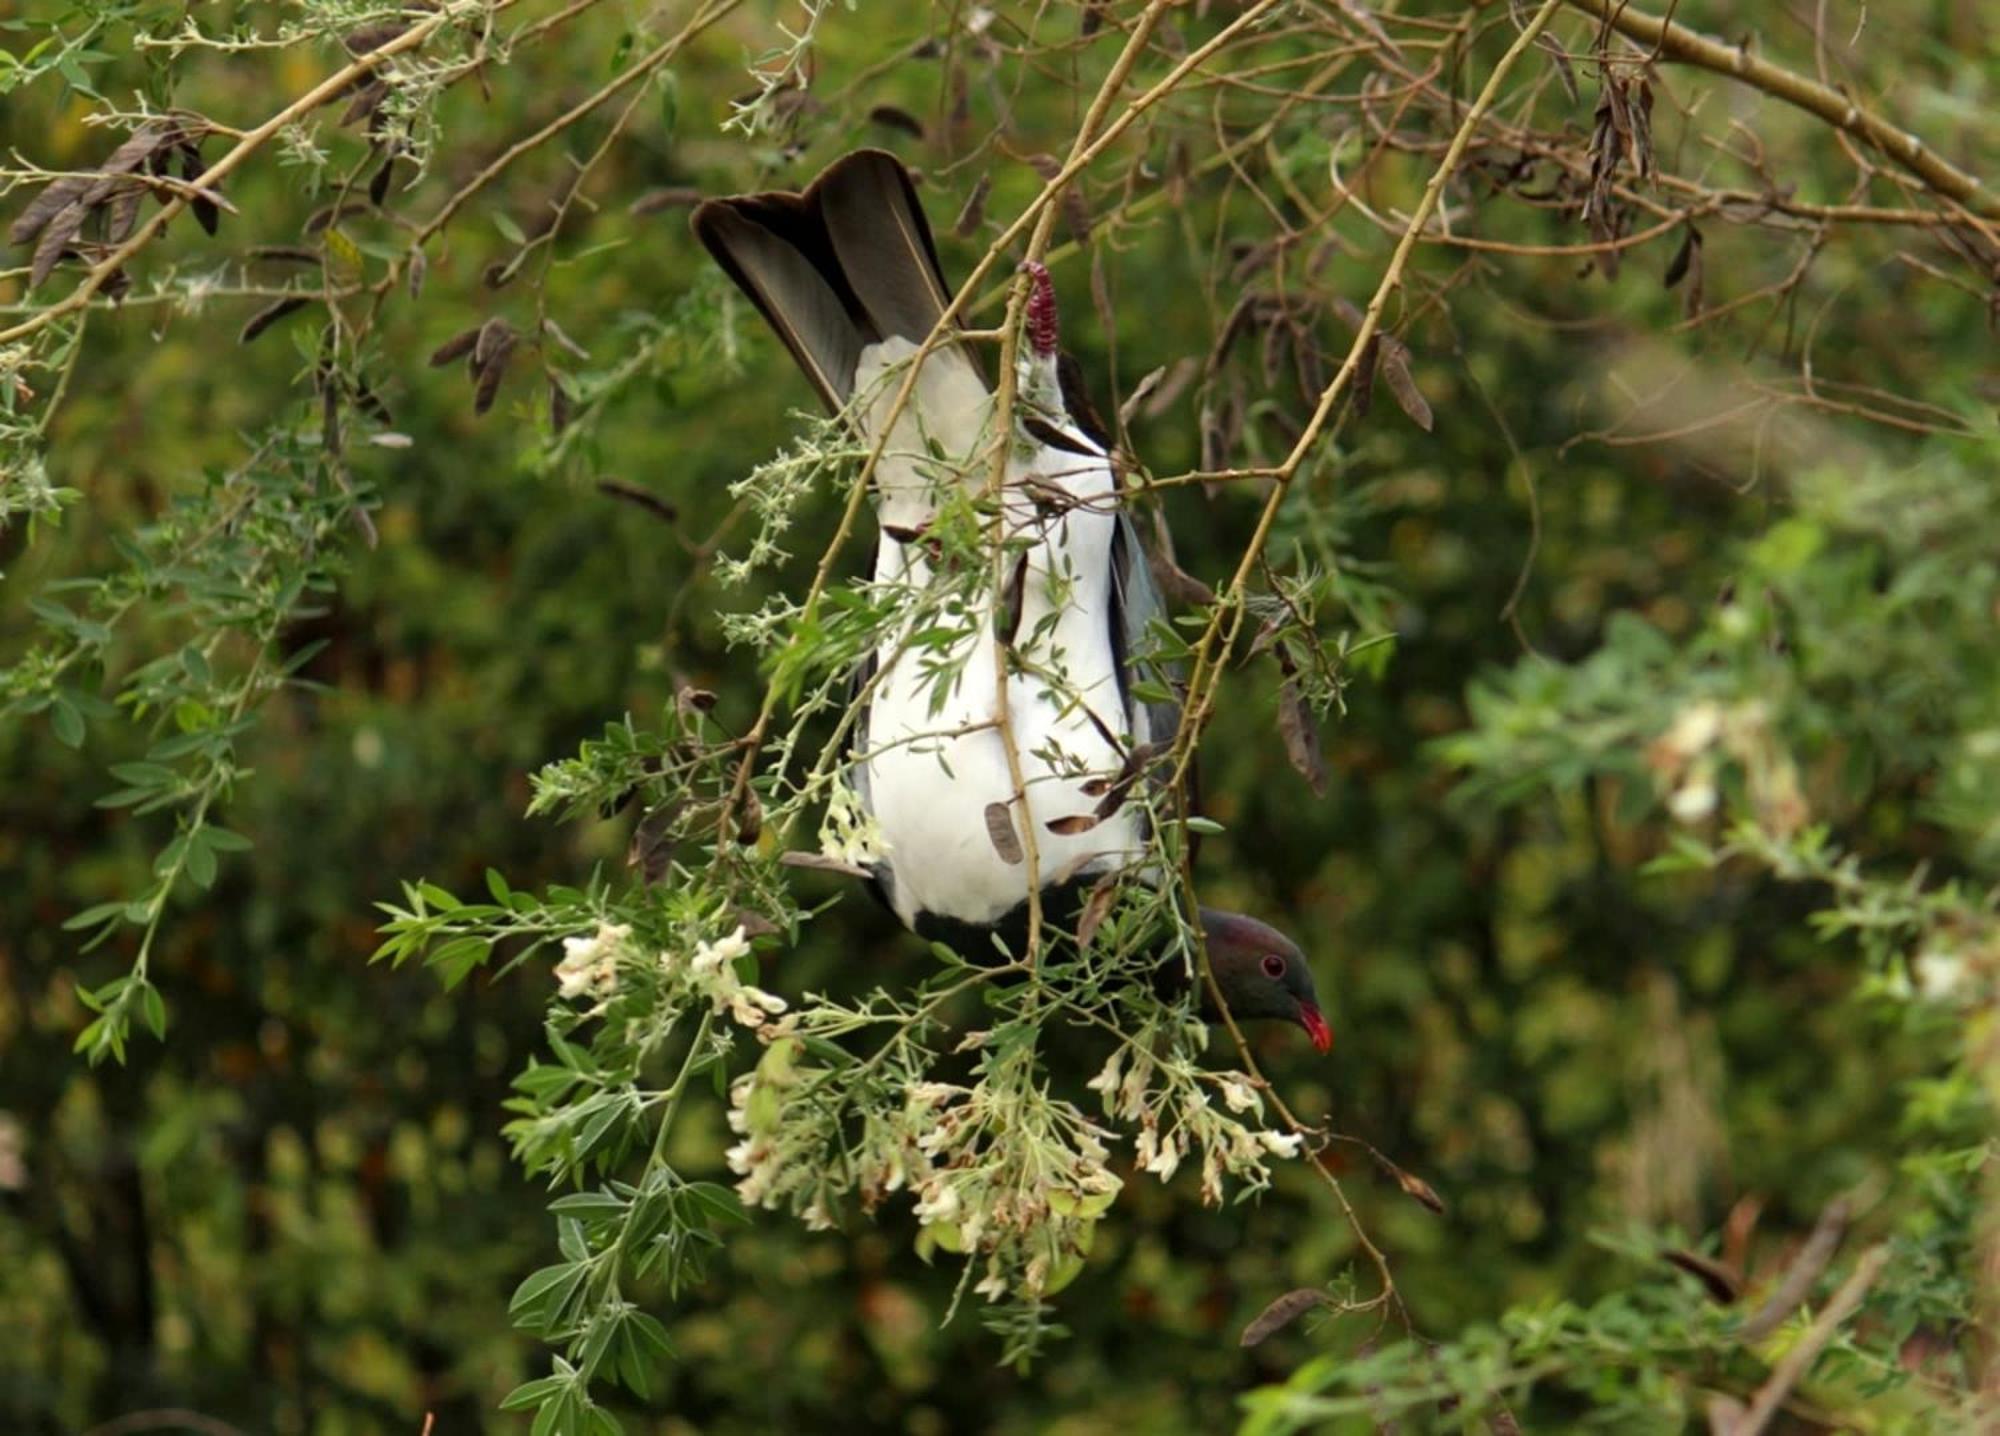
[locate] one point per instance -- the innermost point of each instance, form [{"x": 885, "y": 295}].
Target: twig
[
  {"x": 640, "y": 68},
  {"x": 1804, "y": 1271},
  {"x": 1807, "y": 1348},
  {"x": 211, "y": 178},
  {"x": 1207, "y": 652},
  {"x": 1210, "y": 650},
  {"x": 1003, "y": 425}
]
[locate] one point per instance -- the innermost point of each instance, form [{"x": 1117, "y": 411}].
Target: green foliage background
[{"x": 296, "y": 1214}]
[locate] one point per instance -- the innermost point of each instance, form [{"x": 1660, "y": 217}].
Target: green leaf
[
  {"x": 508, "y": 229},
  {"x": 89, "y": 1036},
  {"x": 588, "y": 1204},
  {"x": 532, "y": 1393},
  {"x": 456, "y": 960},
  {"x": 438, "y": 898},
  {"x": 92, "y": 916},
  {"x": 170, "y": 856},
  {"x": 67, "y": 722},
  {"x": 544, "y": 1292},
  {"x": 153, "y": 1008},
  {"x": 600, "y": 1126},
  {"x": 717, "y": 1205},
  {"x": 645, "y": 1346},
  {"x": 145, "y": 775},
  {"x": 200, "y": 859}
]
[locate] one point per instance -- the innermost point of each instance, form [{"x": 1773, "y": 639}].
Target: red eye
[{"x": 1274, "y": 966}]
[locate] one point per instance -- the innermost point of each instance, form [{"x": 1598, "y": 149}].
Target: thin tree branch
[
  {"x": 212, "y": 177},
  {"x": 1805, "y": 1351}
]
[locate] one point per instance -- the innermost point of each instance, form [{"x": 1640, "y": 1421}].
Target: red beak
[{"x": 1315, "y": 1026}]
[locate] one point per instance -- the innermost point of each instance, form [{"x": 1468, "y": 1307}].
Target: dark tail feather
[
  {"x": 876, "y": 224},
  {"x": 775, "y": 248},
  {"x": 849, "y": 262}
]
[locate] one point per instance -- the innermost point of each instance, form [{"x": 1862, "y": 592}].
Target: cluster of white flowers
[
  {"x": 998, "y": 1168},
  {"x": 1687, "y": 760},
  {"x": 590, "y": 969},
  {"x": 849, "y": 833},
  {"x": 999, "y": 1171},
  {"x": 1175, "y": 1118},
  {"x": 785, "y": 1157},
  {"x": 712, "y": 974},
  {"x": 589, "y": 966}
]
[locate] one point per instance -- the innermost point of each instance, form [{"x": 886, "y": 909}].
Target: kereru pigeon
[{"x": 847, "y": 275}]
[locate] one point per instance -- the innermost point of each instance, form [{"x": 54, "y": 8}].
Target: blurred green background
[{"x": 296, "y": 1214}]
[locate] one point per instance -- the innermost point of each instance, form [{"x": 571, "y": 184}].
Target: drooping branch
[{"x": 210, "y": 180}]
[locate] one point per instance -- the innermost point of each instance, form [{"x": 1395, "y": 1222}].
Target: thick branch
[{"x": 1676, "y": 42}]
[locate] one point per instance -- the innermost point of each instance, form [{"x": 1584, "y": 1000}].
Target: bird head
[{"x": 1262, "y": 973}]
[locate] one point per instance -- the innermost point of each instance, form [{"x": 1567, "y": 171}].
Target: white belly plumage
[{"x": 930, "y": 782}]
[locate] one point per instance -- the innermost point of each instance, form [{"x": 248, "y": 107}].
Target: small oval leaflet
[
  {"x": 1282, "y": 1313},
  {"x": 1000, "y": 828}
]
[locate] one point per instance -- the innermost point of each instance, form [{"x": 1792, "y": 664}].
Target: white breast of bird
[{"x": 931, "y": 774}]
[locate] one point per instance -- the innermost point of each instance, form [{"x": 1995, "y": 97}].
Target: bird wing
[{"x": 1136, "y": 605}]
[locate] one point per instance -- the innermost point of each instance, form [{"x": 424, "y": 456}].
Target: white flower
[
  {"x": 894, "y": 1172},
  {"x": 850, "y": 834},
  {"x": 1211, "y": 1176},
  {"x": 786, "y": 1026},
  {"x": 1132, "y": 1094},
  {"x": 739, "y": 1102},
  {"x": 1239, "y": 1094},
  {"x": 1281, "y": 1144},
  {"x": 749, "y": 1005},
  {"x": 1166, "y": 1160},
  {"x": 1694, "y": 731},
  {"x": 710, "y": 957},
  {"x": 1695, "y": 798},
  {"x": 939, "y": 1203},
  {"x": 972, "y": 1042},
  {"x": 589, "y": 966},
  {"x": 992, "y": 1286},
  {"x": 1106, "y": 1081},
  {"x": 1940, "y": 974}
]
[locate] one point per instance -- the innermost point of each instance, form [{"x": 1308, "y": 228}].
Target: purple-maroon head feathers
[{"x": 1262, "y": 973}]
